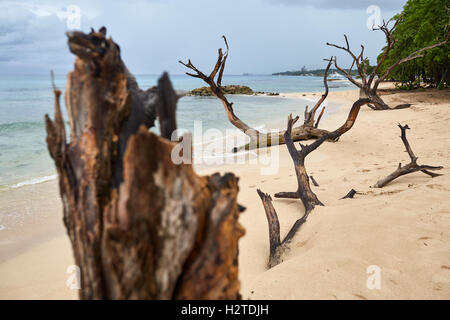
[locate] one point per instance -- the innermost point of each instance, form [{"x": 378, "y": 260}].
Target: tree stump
[{"x": 141, "y": 226}]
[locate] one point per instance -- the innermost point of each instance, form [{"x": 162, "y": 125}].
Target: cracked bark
[{"x": 141, "y": 227}]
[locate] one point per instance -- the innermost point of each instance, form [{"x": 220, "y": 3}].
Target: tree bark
[{"x": 141, "y": 226}]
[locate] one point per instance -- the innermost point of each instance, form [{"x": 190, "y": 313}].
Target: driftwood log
[
  {"x": 369, "y": 83},
  {"x": 350, "y": 194},
  {"x": 141, "y": 227},
  {"x": 410, "y": 167},
  {"x": 303, "y": 192},
  {"x": 309, "y": 129}
]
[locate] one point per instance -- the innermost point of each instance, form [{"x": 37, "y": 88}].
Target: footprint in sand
[
  {"x": 301, "y": 243},
  {"x": 251, "y": 186},
  {"x": 428, "y": 242},
  {"x": 360, "y": 296},
  {"x": 382, "y": 193},
  {"x": 437, "y": 287},
  {"x": 393, "y": 281},
  {"x": 440, "y": 279},
  {"x": 437, "y": 187}
]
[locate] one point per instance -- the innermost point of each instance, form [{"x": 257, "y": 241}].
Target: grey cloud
[
  {"x": 343, "y": 4},
  {"x": 29, "y": 42},
  {"x": 154, "y": 35}
]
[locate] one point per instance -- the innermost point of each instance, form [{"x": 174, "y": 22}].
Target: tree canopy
[{"x": 422, "y": 23}]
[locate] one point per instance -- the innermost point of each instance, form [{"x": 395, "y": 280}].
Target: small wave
[
  {"x": 13, "y": 126},
  {"x": 25, "y": 89},
  {"x": 33, "y": 181}
]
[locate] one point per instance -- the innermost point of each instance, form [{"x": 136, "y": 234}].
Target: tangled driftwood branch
[
  {"x": 309, "y": 129},
  {"x": 410, "y": 167},
  {"x": 303, "y": 192}
]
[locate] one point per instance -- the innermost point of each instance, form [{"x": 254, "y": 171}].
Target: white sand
[{"x": 402, "y": 228}]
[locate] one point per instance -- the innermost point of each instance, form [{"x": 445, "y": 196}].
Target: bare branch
[
  {"x": 274, "y": 228},
  {"x": 410, "y": 167},
  {"x": 320, "y": 117},
  {"x": 412, "y": 56},
  {"x": 356, "y": 60},
  {"x": 347, "y": 74},
  {"x": 314, "y": 181},
  {"x": 216, "y": 89},
  {"x": 309, "y": 116}
]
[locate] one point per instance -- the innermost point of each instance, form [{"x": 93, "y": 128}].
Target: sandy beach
[{"x": 402, "y": 228}]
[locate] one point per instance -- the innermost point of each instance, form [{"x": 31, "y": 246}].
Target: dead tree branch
[
  {"x": 314, "y": 181},
  {"x": 303, "y": 192},
  {"x": 411, "y": 167},
  {"x": 258, "y": 139},
  {"x": 368, "y": 84}
]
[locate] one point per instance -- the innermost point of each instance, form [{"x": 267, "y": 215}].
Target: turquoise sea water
[{"x": 24, "y": 100}]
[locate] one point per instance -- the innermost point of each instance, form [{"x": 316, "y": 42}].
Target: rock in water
[{"x": 230, "y": 89}]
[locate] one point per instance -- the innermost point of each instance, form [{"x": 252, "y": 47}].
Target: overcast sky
[{"x": 265, "y": 36}]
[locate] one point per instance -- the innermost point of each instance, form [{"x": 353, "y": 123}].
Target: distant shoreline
[{"x": 312, "y": 73}]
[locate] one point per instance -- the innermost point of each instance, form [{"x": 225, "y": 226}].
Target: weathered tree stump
[{"x": 141, "y": 227}]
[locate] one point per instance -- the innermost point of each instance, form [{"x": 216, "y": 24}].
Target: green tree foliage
[{"x": 424, "y": 22}]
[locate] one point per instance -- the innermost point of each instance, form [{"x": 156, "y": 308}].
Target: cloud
[
  {"x": 32, "y": 37},
  {"x": 388, "y": 5},
  {"x": 265, "y": 35}
]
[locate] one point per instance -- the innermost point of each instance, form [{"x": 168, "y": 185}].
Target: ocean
[{"x": 25, "y": 99}]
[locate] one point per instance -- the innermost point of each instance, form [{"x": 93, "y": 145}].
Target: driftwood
[
  {"x": 350, "y": 194},
  {"x": 309, "y": 129},
  {"x": 368, "y": 84},
  {"x": 141, "y": 227},
  {"x": 303, "y": 192},
  {"x": 410, "y": 167},
  {"x": 314, "y": 181}
]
